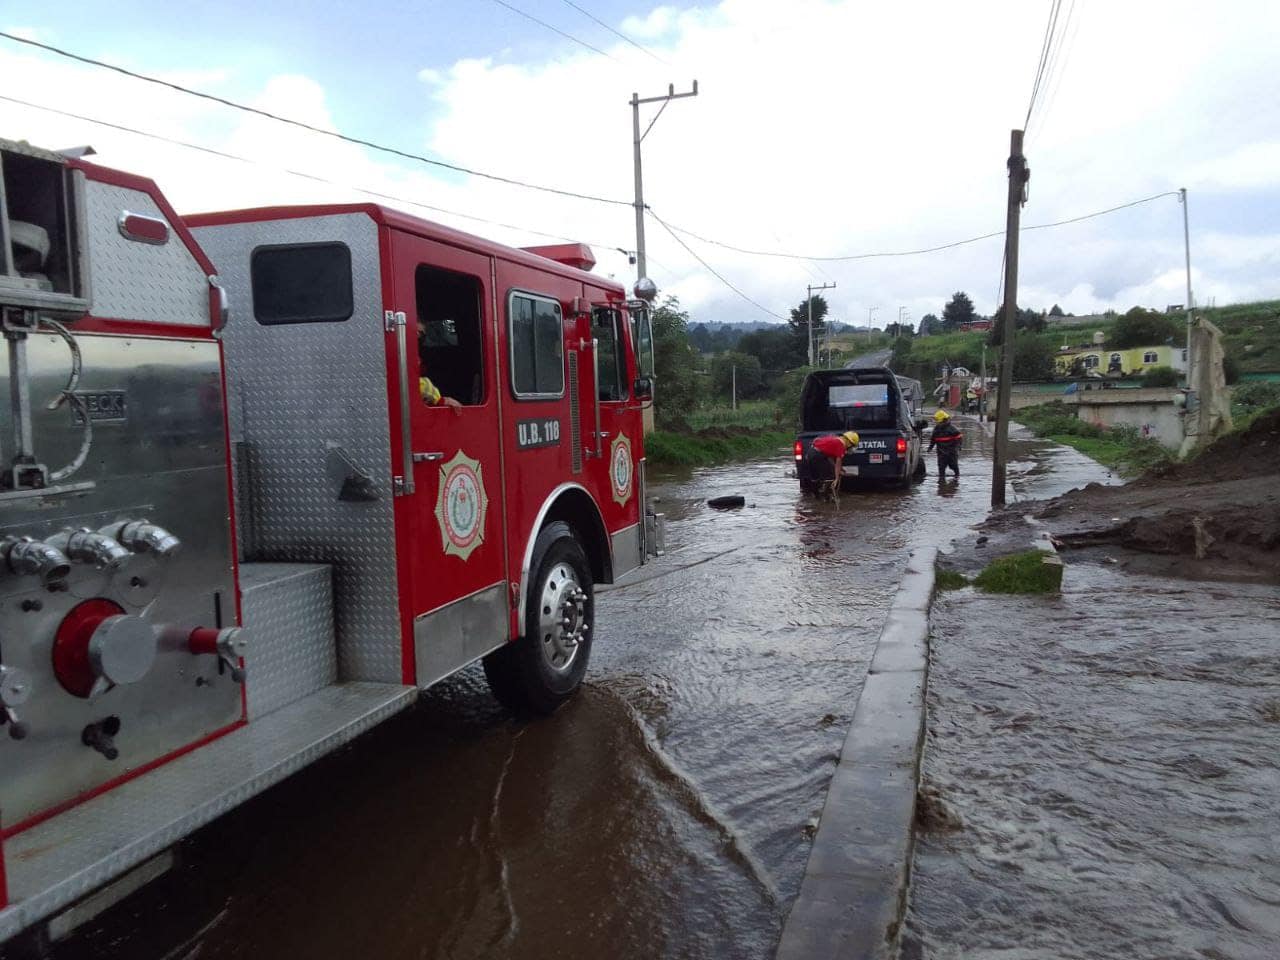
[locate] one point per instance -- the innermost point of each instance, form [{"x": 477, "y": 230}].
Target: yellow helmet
[
  {"x": 941, "y": 415},
  {"x": 850, "y": 438}
]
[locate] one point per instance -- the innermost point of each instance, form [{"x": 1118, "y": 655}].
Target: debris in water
[{"x": 727, "y": 503}]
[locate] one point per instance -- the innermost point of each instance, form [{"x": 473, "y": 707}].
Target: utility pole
[
  {"x": 870, "y": 311},
  {"x": 1186, "y": 244},
  {"x": 638, "y": 138},
  {"x": 733, "y": 396},
  {"x": 1019, "y": 174},
  {"x": 809, "y": 300},
  {"x": 982, "y": 395}
]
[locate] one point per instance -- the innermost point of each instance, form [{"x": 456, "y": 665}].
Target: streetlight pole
[
  {"x": 637, "y": 139},
  {"x": 870, "y": 311},
  {"x": 1186, "y": 244},
  {"x": 809, "y": 300}
]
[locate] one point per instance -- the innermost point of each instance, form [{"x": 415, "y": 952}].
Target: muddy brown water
[
  {"x": 1105, "y": 784},
  {"x": 665, "y": 812}
]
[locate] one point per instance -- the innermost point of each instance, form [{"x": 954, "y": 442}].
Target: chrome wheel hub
[{"x": 562, "y": 617}]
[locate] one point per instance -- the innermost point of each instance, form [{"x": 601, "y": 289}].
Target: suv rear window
[{"x": 858, "y": 395}]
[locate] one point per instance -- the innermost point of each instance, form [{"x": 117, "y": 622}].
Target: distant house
[
  {"x": 979, "y": 324},
  {"x": 1101, "y": 360}
]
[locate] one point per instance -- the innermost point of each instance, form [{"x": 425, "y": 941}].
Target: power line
[
  {"x": 394, "y": 151},
  {"x": 304, "y": 175},
  {"x": 616, "y": 33},
  {"x": 710, "y": 269},
  {"x": 904, "y": 253},
  {"x": 1054, "y": 82},
  {"x": 1045, "y": 46},
  {"x": 543, "y": 23}
]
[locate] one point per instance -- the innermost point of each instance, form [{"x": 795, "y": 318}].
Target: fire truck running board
[{"x": 55, "y": 863}]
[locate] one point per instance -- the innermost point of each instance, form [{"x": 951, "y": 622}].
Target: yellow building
[{"x": 1102, "y": 360}]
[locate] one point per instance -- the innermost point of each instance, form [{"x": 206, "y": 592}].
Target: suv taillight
[
  {"x": 902, "y": 446},
  {"x": 799, "y": 450}
]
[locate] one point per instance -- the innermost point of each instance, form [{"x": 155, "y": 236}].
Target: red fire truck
[{"x": 270, "y": 473}]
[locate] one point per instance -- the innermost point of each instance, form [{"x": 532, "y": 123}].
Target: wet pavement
[
  {"x": 665, "y": 812},
  {"x": 1101, "y": 773}
]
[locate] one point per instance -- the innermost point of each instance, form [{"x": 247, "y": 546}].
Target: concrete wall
[{"x": 1150, "y": 411}]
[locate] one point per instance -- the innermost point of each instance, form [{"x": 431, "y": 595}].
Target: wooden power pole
[{"x": 1019, "y": 174}]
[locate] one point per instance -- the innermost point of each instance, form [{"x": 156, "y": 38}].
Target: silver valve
[
  {"x": 143, "y": 536},
  {"x": 27, "y": 557},
  {"x": 86, "y": 546},
  {"x": 227, "y": 644},
  {"x": 15, "y": 688}
]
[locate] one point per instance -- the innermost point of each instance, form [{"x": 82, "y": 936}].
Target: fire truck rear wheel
[{"x": 545, "y": 667}]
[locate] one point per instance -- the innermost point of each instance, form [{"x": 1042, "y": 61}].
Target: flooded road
[
  {"x": 665, "y": 812},
  {"x": 1104, "y": 768}
]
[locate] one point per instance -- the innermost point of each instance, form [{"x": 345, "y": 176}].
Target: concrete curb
[{"x": 855, "y": 885}]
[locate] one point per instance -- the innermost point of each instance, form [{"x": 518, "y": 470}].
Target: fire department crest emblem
[
  {"x": 461, "y": 505},
  {"x": 620, "y": 468}
]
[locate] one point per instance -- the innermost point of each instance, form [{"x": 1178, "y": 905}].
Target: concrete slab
[{"x": 854, "y": 889}]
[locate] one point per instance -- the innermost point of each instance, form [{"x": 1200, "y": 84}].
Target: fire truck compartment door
[{"x": 453, "y": 571}]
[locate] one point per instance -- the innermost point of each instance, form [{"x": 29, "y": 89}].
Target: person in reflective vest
[
  {"x": 432, "y": 396},
  {"x": 947, "y": 438},
  {"x": 826, "y": 458}
]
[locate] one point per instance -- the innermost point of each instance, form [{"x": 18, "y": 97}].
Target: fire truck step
[{"x": 67, "y": 857}]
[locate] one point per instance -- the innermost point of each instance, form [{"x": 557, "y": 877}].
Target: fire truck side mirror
[{"x": 644, "y": 388}]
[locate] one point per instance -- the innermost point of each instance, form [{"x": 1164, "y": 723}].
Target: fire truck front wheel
[{"x": 544, "y": 668}]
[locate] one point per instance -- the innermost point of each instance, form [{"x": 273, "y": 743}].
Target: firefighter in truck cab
[
  {"x": 947, "y": 438},
  {"x": 429, "y": 392}
]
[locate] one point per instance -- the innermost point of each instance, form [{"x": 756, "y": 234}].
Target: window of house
[
  {"x": 1091, "y": 361},
  {"x": 449, "y": 330},
  {"x": 611, "y": 365},
  {"x": 301, "y": 283},
  {"x": 535, "y": 327},
  {"x": 1149, "y": 357}
]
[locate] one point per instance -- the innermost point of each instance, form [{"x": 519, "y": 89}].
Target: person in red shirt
[{"x": 833, "y": 449}]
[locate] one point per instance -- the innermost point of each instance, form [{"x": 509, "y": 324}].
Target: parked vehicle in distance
[{"x": 874, "y": 402}]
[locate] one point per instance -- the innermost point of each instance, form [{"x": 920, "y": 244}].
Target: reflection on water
[{"x": 666, "y": 812}]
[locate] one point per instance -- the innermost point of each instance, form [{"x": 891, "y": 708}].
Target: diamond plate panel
[
  {"x": 287, "y": 611},
  {"x": 298, "y": 394},
  {"x": 140, "y": 281},
  {"x": 64, "y": 858}
]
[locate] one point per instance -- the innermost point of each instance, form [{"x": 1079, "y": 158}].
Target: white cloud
[{"x": 820, "y": 127}]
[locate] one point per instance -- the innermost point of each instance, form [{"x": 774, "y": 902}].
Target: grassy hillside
[{"x": 1251, "y": 333}]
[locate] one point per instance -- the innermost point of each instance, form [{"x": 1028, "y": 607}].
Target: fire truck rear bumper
[{"x": 56, "y": 863}]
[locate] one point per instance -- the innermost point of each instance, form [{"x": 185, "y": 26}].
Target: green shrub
[
  {"x": 1161, "y": 377},
  {"x": 950, "y": 580}
]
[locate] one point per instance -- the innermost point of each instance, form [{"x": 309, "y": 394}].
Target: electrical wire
[
  {"x": 358, "y": 141},
  {"x": 902, "y": 253},
  {"x": 1045, "y": 47},
  {"x": 543, "y": 23},
  {"x": 712, "y": 270},
  {"x": 303, "y": 174},
  {"x": 616, "y": 33},
  {"x": 1054, "y": 83}
]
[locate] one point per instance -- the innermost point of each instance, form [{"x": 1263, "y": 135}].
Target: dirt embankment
[{"x": 1217, "y": 516}]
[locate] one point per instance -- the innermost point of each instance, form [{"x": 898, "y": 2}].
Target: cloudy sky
[{"x": 821, "y": 128}]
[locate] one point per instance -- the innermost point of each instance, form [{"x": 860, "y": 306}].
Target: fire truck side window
[
  {"x": 537, "y": 346},
  {"x": 301, "y": 283},
  {"x": 450, "y": 346},
  {"x": 610, "y": 361}
]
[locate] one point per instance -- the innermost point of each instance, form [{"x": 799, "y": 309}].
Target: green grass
[
  {"x": 950, "y": 579},
  {"x": 751, "y": 414},
  {"x": 1021, "y": 573},
  {"x": 663, "y": 448}
]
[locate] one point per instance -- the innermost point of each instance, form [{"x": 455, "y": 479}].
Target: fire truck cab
[{"x": 271, "y": 473}]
